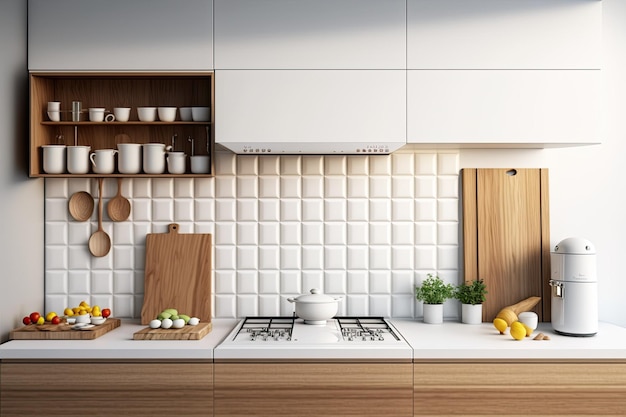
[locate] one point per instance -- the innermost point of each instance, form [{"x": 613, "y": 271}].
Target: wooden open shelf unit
[{"x": 119, "y": 89}]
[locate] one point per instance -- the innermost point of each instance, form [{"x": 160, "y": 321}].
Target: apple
[
  {"x": 105, "y": 312},
  {"x": 55, "y": 320},
  {"x": 26, "y": 320},
  {"x": 34, "y": 316}
]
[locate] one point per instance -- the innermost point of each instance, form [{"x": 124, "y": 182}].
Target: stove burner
[{"x": 348, "y": 329}]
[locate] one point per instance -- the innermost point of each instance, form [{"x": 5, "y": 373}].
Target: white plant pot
[
  {"x": 433, "y": 313},
  {"x": 472, "y": 313}
]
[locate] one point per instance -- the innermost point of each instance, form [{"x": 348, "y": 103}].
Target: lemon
[
  {"x": 518, "y": 331},
  {"x": 500, "y": 324},
  {"x": 68, "y": 312},
  {"x": 50, "y": 316},
  {"x": 529, "y": 331},
  {"x": 40, "y": 320}
]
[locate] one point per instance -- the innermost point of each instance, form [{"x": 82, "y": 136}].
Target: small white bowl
[
  {"x": 201, "y": 114},
  {"x": 185, "y": 114},
  {"x": 70, "y": 320},
  {"x": 147, "y": 114},
  {"x": 167, "y": 114},
  {"x": 98, "y": 320},
  {"x": 83, "y": 318}
]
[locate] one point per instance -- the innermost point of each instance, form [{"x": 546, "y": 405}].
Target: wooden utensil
[
  {"x": 99, "y": 242},
  {"x": 118, "y": 207},
  {"x": 506, "y": 236},
  {"x": 81, "y": 206},
  {"x": 177, "y": 274},
  {"x": 62, "y": 331}
]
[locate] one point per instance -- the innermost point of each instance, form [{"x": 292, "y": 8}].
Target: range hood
[{"x": 295, "y": 147}]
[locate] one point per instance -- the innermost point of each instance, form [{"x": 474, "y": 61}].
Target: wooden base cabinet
[
  {"x": 313, "y": 389},
  {"x": 106, "y": 389},
  {"x": 520, "y": 389}
]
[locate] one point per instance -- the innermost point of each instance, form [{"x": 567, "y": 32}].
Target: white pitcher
[
  {"x": 154, "y": 157},
  {"x": 103, "y": 161}
]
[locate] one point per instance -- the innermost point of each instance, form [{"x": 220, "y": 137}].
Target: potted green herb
[
  {"x": 471, "y": 294},
  {"x": 433, "y": 292}
]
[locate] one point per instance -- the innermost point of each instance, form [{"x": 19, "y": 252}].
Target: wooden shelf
[{"x": 109, "y": 90}]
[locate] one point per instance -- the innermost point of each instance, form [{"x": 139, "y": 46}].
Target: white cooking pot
[{"x": 315, "y": 308}]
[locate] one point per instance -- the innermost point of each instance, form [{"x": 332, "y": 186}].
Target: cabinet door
[
  {"x": 120, "y": 35},
  {"x": 510, "y": 34},
  {"x": 305, "y": 34},
  {"x": 296, "y": 110},
  {"x": 539, "y": 107}
]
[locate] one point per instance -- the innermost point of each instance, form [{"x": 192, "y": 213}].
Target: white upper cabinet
[
  {"x": 310, "y": 111},
  {"x": 158, "y": 35},
  {"x": 310, "y": 34},
  {"x": 504, "y": 34},
  {"x": 521, "y": 108}
]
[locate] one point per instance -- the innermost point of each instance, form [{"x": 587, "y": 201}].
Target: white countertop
[
  {"x": 454, "y": 340},
  {"x": 119, "y": 344},
  {"x": 447, "y": 341}
]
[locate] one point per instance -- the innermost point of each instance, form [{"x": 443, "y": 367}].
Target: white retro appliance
[{"x": 574, "y": 288}]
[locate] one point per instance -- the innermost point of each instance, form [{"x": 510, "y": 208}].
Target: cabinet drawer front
[
  {"x": 316, "y": 389},
  {"x": 112, "y": 389}
]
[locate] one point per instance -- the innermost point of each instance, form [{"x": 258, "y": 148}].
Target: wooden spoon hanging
[
  {"x": 81, "y": 206},
  {"x": 118, "y": 207},
  {"x": 99, "y": 242}
]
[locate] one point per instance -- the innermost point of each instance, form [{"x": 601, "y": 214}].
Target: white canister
[
  {"x": 78, "y": 159},
  {"x": 54, "y": 159},
  {"x": 103, "y": 161},
  {"x": 176, "y": 162},
  {"x": 129, "y": 158},
  {"x": 200, "y": 164},
  {"x": 154, "y": 158}
]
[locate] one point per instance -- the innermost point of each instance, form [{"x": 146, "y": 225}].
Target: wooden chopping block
[
  {"x": 506, "y": 236},
  {"x": 177, "y": 274}
]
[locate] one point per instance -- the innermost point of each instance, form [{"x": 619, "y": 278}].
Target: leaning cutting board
[
  {"x": 186, "y": 333},
  {"x": 177, "y": 274},
  {"x": 506, "y": 235},
  {"x": 62, "y": 331}
]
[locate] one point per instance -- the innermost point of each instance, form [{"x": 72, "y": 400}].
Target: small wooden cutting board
[
  {"x": 186, "y": 333},
  {"x": 62, "y": 331},
  {"x": 177, "y": 274}
]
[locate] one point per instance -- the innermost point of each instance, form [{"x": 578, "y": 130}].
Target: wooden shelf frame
[{"x": 120, "y": 89}]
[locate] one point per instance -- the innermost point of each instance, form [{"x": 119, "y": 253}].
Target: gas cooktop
[{"x": 285, "y": 337}]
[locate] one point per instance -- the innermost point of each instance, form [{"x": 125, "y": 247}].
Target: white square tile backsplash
[{"x": 366, "y": 228}]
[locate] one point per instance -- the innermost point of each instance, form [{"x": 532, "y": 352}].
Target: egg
[
  {"x": 155, "y": 324},
  {"x": 178, "y": 323},
  {"x": 193, "y": 321},
  {"x": 166, "y": 323}
]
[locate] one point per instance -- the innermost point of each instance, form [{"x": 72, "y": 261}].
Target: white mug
[
  {"x": 176, "y": 162},
  {"x": 129, "y": 158},
  {"x": 109, "y": 117},
  {"x": 200, "y": 164},
  {"x": 96, "y": 114},
  {"x": 103, "y": 161},
  {"x": 122, "y": 114},
  {"x": 78, "y": 159},
  {"x": 54, "y": 159},
  {"x": 154, "y": 158}
]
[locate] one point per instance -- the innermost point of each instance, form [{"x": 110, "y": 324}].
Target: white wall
[
  {"x": 587, "y": 191},
  {"x": 21, "y": 199}
]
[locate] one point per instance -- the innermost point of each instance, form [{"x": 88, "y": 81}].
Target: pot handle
[{"x": 291, "y": 300}]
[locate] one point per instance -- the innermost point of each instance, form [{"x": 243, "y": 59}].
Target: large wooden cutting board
[
  {"x": 62, "y": 331},
  {"x": 186, "y": 333},
  {"x": 177, "y": 274},
  {"x": 506, "y": 236}
]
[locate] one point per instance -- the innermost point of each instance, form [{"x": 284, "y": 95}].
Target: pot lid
[
  {"x": 576, "y": 246},
  {"x": 316, "y": 296}
]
